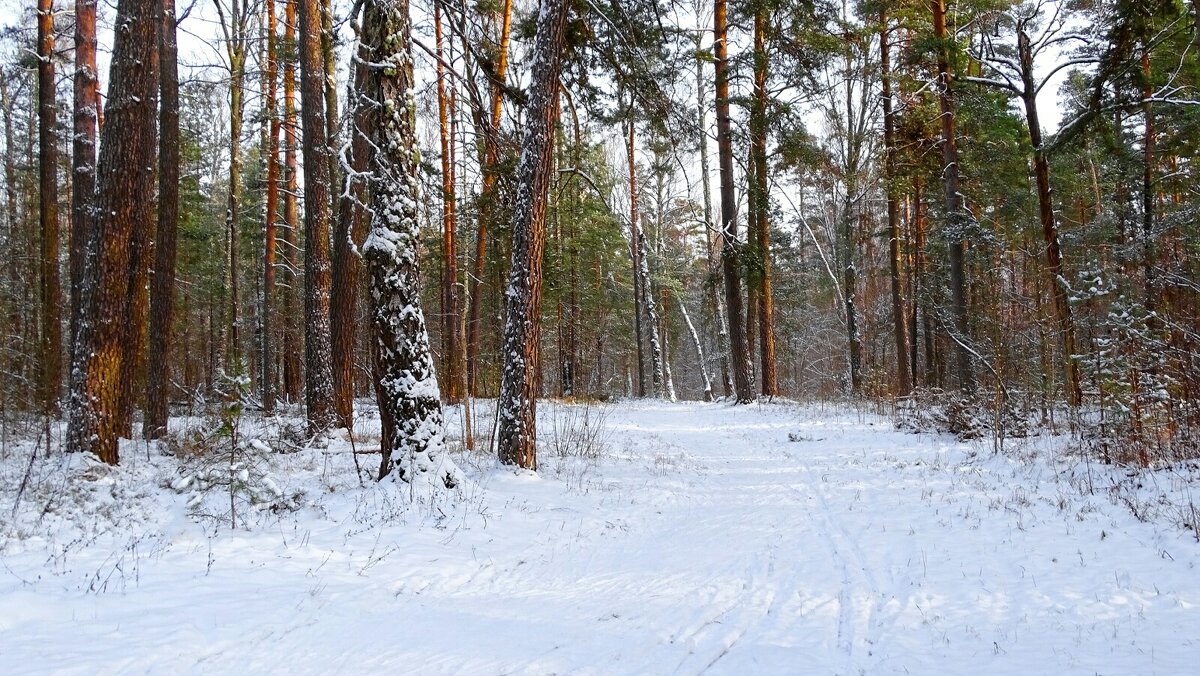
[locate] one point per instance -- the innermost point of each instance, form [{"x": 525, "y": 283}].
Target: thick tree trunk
[
  {"x": 162, "y": 294},
  {"x": 318, "y": 396},
  {"x": 51, "y": 334},
  {"x": 270, "y": 209},
  {"x": 955, "y": 215},
  {"x": 486, "y": 198},
  {"x": 516, "y": 437},
  {"x": 730, "y": 249},
  {"x": 895, "y": 252},
  {"x": 125, "y": 168},
  {"x": 406, "y": 388}
]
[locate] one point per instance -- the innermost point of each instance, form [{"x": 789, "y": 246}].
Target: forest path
[{"x": 709, "y": 539}]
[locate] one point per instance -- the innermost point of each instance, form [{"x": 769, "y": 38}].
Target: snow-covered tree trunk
[
  {"x": 516, "y": 441},
  {"x": 708, "y": 393},
  {"x": 83, "y": 155},
  {"x": 656, "y": 347},
  {"x": 410, "y": 407}
]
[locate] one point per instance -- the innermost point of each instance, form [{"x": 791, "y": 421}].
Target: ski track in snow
[{"x": 706, "y": 542}]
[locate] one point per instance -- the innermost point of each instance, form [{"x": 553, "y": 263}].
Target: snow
[{"x": 671, "y": 538}]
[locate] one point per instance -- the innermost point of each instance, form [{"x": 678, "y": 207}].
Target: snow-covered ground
[{"x": 704, "y": 538}]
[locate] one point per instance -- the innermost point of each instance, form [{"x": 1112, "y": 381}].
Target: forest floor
[{"x": 656, "y": 539}]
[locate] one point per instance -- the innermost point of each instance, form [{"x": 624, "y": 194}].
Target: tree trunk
[
  {"x": 158, "y": 383},
  {"x": 635, "y": 254},
  {"x": 291, "y": 216},
  {"x": 10, "y": 347},
  {"x": 318, "y": 395},
  {"x": 452, "y": 350},
  {"x": 410, "y": 407},
  {"x": 491, "y": 157},
  {"x": 644, "y": 305},
  {"x": 716, "y": 308},
  {"x": 895, "y": 252},
  {"x": 125, "y": 169},
  {"x": 51, "y": 347},
  {"x": 760, "y": 195},
  {"x": 270, "y": 210},
  {"x": 730, "y": 249},
  {"x": 516, "y": 437},
  {"x": 955, "y": 216},
  {"x": 235, "y": 36},
  {"x": 708, "y": 391},
  {"x": 849, "y": 285},
  {"x": 83, "y": 155},
  {"x": 348, "y": 230},
  {"x": 1054, "y": 256},
  {"x": 1149, "y": 141}
]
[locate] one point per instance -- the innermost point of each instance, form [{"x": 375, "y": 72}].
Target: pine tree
[
  {"x": 319, "y": 395},
  {"x": 162, "y": 296},
  {"x": 125, "y": 168},
  {"x": 516, "y": 438},
  {"x": 406, "y": 388}
]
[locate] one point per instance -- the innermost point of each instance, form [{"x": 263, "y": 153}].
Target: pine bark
[
  {"x": 162, "y": 293},
  {"x": 516, "y": 438},
  {"x": 125, "y": 168},
  {"x": 406, "y": 387},
  {"x": 141, "y": 257},
  {"x": 51, "y": 291},
  {"x": 319, "y": 397},
  {"x": 83, "y": 154},
  {"x": 730, "y": 249},
  {"x": 349, "y": 229}
]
